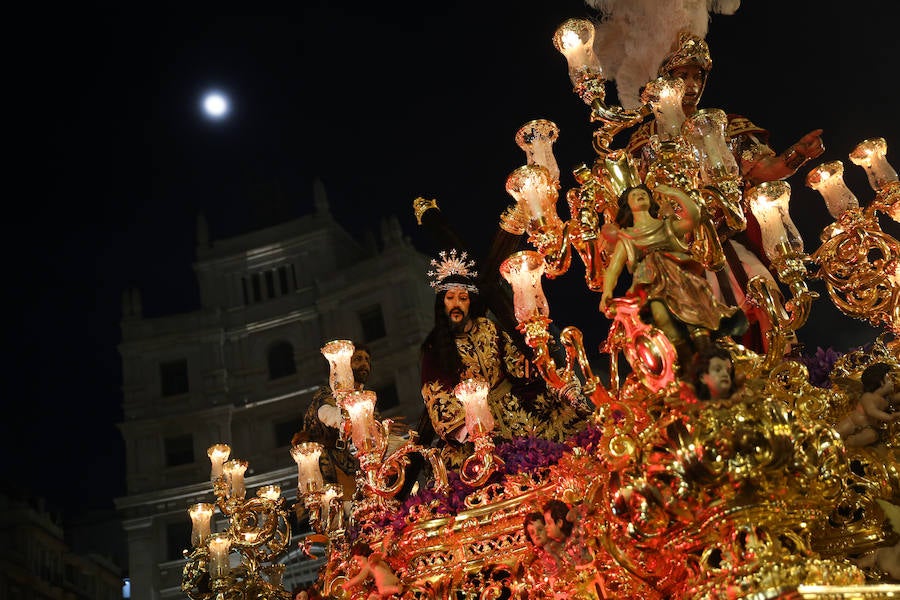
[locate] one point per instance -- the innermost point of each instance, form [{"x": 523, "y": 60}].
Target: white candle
[
  {"x": 201, "y": 513},
  {"x": 219, "y": 547},
  {"x": 664, "y": 95},
  {"x": 234, "y": 469},
  {"x": 769, "y": 204},
  {"x": 360, "y": 407},
  {"x": 828, "y": 180},
  {"x": 870, "y": 155},
  {"x": 309, "y": 475},
  {"x": 217, "y": 454},
  {"x": 574, "y": 39},
  {"x": 473, "y": 395},
  {"x": 339, "y": 353},
  {"x": 523, "y": 271}
]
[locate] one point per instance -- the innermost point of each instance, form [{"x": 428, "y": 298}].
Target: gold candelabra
[
  {"x": 860, "y": 263},
  {"x": 257, "y": 534}
]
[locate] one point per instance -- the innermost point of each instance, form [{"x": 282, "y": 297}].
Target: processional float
[{"x": 754, "y": 496}]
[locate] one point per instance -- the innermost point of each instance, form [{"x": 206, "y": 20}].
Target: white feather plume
[{"x": 634, "y": 36}]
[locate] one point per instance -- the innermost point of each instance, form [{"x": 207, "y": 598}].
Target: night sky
[{"x": 384, "y": 105}]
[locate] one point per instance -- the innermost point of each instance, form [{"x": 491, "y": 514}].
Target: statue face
[
  {"x": 718, "y": 377},
  {"x": 553, "y": 528},
  {"x": 638, "y": 200},
  {"x": 536, "y": 533},
  {"x": 361, "y": 365},
  {"x": 694, "y": 80},
  {"x": 456, "y": 305}
]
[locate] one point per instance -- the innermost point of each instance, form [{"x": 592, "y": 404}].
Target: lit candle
[
  {"x": 219, "y": 547},
  {"x": 331, "y": 493},
  {"x": 705, "y": 130},
  {"x": 309, "y": 476},
  {"x": 535, "y": 194},
  {"x": 769, "y": 204},
  {"x": 201, "y": 513},
  {"x": 828, "y": 180},
  {"x": 473, "y": 395},
  {"x": 575, "y": 40},
  {"x": 234, "y": 469},
  {"x": 536, "y": 139},
  {"x": 360, "y": 407},
  {"x": 664, "y": 95},
  {"x": 523, "y": 271},
  {"x": 217, "y": 454},
  {"x": 870, "y": 155},
  {"x": 338, "y": 353},
  {"x": 269, "y": 492}
]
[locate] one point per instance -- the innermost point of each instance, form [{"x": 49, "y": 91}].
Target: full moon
[{"x": 215, "y": 105}]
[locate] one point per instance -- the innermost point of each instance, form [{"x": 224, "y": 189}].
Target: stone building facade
[{"x": 242, "y": 369}]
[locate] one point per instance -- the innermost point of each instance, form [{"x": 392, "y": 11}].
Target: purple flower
[{"x": 820, "y": 365}]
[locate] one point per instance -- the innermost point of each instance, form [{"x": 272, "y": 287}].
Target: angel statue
[{"x": 670, "y": 284}]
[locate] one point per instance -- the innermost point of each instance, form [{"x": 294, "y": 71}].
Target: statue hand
[{"x": 811, "y": 145}]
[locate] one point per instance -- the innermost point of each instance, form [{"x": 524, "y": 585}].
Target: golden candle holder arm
[
  {"x": 385, "y": 473},
  {"x": 573, "y": 342},
  {"x": 860, "y": 265},
  {"x": 553, "y": 245},
  {"x": 614, "y": 119},
  {"x": 478, "y": 468},
  {"x": 565, "y": 383}
]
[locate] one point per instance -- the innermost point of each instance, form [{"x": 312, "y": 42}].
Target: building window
[
  {"x": 284, "y": 432},
  {"x": 178, "y": 538},
  {"x": 244, "y": 288},
  {"x": 387, "y": 396},
  {"x": 281, "y": 360},
  {"x": 372, "y": 321},
  {"x": 179, "y": 450},
  {"x": 283, "y": 279},
  {"x": 270, "y": 284},
  {"x": 173, "y": 377},
  {"x": 257, "y": 288}
]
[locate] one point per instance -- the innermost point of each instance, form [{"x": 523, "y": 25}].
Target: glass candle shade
[
  {"x": 309, "y": 475},
  {"x": 269, "y": 492},
  {"x": 234, "y": 470},
  {"x": 360, "y": 407},
  {"x": 523, "y": 271},
  {"x": 769, "y": 204},
  {"x": 338, "y": 353},
  {"x": 535, "y": 193},
  {"x": 664, "y": 95},
  {"x": 575, "y": 40},
  {"x": 217, "y": 454},
  {"x": 536, "y": 139},
  {"x": 705, "y": 131},
  {"x": 219, "y": 547},
  {"x": 473, "y": 395},
  {"x": 870, "y": 155},
  {"x": 201, "y": 514},
  {"x": 828, "y": 180}
]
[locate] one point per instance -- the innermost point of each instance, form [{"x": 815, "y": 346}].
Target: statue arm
[
  {"x": 611, "y": 275},
  {"x": 772, "y": 167}
]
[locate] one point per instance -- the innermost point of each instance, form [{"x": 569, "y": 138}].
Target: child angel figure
[
  {"x": 373, "y": 565},
  {"x": 876, "y": 404}
]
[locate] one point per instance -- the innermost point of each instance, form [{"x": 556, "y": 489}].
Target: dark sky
[{"x": 384, "y": 105}]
